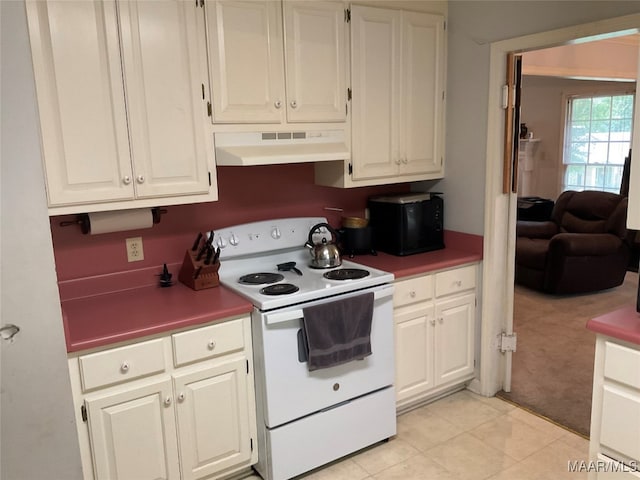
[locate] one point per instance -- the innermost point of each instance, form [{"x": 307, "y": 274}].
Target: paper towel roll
[{"x": 119, "y": 221}]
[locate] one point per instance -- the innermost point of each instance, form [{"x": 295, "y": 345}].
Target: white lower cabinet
[
  {"x": 143, "y": 413},
  {"x": 133, "y": 433},
  {"x": 434, "y": 325},
  {"x": 213, "y": 439},
  {"x": 614, "y": 446}
]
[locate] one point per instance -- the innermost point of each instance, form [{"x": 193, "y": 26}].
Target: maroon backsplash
[{"x": 246, "y": 194}]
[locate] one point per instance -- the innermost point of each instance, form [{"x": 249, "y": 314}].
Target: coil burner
[
  {"x": 260, "y": 278},
  {"x": 346, "y": 274},
  {"x": 279, "y": 289}
]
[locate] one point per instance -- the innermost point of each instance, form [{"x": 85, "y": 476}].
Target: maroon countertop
[
  {"x": 461, "y": 248},
  {"x": 113, "y": 317},
  {"x": 107, "y": 309},
  {"x": 623, "y": 324},
  {"x": 418, "y": 263}
]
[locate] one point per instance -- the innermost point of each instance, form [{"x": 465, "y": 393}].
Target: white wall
[
  {"x": 472, "y": 26},
  {"x": 38, "y": 436},
  {"x": 542, "y": 111}
]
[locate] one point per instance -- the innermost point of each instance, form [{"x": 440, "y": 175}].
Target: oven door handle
[{"x": 281, "y": 317}]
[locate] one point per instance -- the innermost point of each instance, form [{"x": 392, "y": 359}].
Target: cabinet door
[
  {"x": 167, "y": 116},
  {"x": 83, "y": 122},
  {"x": 246, "y": 61},
  {"x": 376, "y": 56},
  {"x": 454, "y": 338},
  {"x": 414, "y": 350},
  {"x": 213, "y": 418},
  {"x": 133, "y": 434},
  {"x": 422, "y": 93},
  {"x": 316, "y": 69}
]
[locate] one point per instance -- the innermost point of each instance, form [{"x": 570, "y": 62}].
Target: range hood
[{"x": 273, "y": 148}]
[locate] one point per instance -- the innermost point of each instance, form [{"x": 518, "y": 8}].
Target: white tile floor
[{"x": 466, "y": 437}]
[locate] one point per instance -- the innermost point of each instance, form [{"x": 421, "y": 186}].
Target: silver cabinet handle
[
  {"x": 140, "y": 178},
  {"x": 294, "y": 104},
  {"x": 124, "y": 368},
  {"x": 412, "y": 294},
  {"x": 398, "y": 162},
  {"x": 167, "y": 401},
  {"x": 433, "y": 321},
  {"x": 126, "y": 180},
  {"x": 405, "y": 161},
  {"x": 277, "y": 103},
  {"x": 211, "y": 345},
  {"x": 181, "y": 397}
]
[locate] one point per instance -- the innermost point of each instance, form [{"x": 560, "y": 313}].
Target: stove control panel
[{"x": 265, "y": 236}]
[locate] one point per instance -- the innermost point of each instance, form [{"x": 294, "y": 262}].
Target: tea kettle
[{"x": 325, "y": 254}]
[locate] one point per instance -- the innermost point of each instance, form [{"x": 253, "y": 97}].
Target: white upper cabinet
[
  {"x": 121, "y": 110},
  {"x": 316, "y": 61},
  {"x": 398, "y": 90},
  {"x": 422, "y": 93},
  {"x": 81, "y": 101},
  {"x": 163, "y": 82},
  {"x": 376, "y": 60},
  {"x": 398, "y": 74},
  {"x": 252, "y": 50},
  {"x": 245, "y": 60}
]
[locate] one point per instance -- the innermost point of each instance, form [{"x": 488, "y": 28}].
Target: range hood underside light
[{"x": 242, "y": 149}]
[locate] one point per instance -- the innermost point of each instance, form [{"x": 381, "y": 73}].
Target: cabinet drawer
[
  {"x": 412, "y": 290},
  {"x": 208, "y": 342},
  {"x": 620, "y": 423},
  {"x": 121, "y": 364},
  {"x": 456, "y": 280},
  {"x": 622, "y": 364}
]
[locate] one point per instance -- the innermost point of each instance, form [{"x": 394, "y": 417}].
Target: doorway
[
  {"x": 553, "y": 369},
  {"x": 501, "y": 209}
]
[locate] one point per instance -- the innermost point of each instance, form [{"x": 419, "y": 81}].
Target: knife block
[{"x": 196, "y": 274}]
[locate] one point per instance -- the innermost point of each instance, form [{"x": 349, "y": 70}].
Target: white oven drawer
[
  {"x": 207, "y": 342},
  {"x": 456, "y": 280},
  {"x": 121, "y": 364},
  {"x": 412, "y": 290}
]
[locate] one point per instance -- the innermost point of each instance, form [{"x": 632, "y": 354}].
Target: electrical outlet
[{"x": 135, "y": 253}]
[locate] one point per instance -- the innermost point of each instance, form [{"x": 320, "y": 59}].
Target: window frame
[{"x": 568, "y": 98}]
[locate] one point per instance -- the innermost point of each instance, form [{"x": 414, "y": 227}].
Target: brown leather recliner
[{"x": 583, "y": 248}]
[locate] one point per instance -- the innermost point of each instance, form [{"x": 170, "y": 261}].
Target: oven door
[{"x": 287, "y": 390}]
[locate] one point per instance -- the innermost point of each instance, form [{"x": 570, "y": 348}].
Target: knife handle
[
  {"x": 197, "y": 242},
  {"x": 201, "y": 252},
  {"x": 207, "y": 260}
]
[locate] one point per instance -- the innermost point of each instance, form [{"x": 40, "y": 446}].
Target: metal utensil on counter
[{"x": 289, "y": 266}]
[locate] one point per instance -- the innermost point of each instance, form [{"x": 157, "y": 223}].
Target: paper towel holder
[{"x": 85, "y": 225}]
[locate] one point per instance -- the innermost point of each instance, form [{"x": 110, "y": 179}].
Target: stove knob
[
  {"x": 233, "y": 240},
  {"x": 221, "y": 242},
  {"x": 275, "y": 233}
]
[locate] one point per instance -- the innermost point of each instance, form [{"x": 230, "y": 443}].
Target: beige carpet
[{"x": 552, "y": 370}]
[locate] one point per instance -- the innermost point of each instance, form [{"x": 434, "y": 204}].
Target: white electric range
[{"x": 308, "y": 418}]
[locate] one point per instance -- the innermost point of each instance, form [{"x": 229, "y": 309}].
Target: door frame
[{"x": 500, "y": 209}]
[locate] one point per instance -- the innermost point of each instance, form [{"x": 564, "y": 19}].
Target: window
[{"x": 597, "y": 139}]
